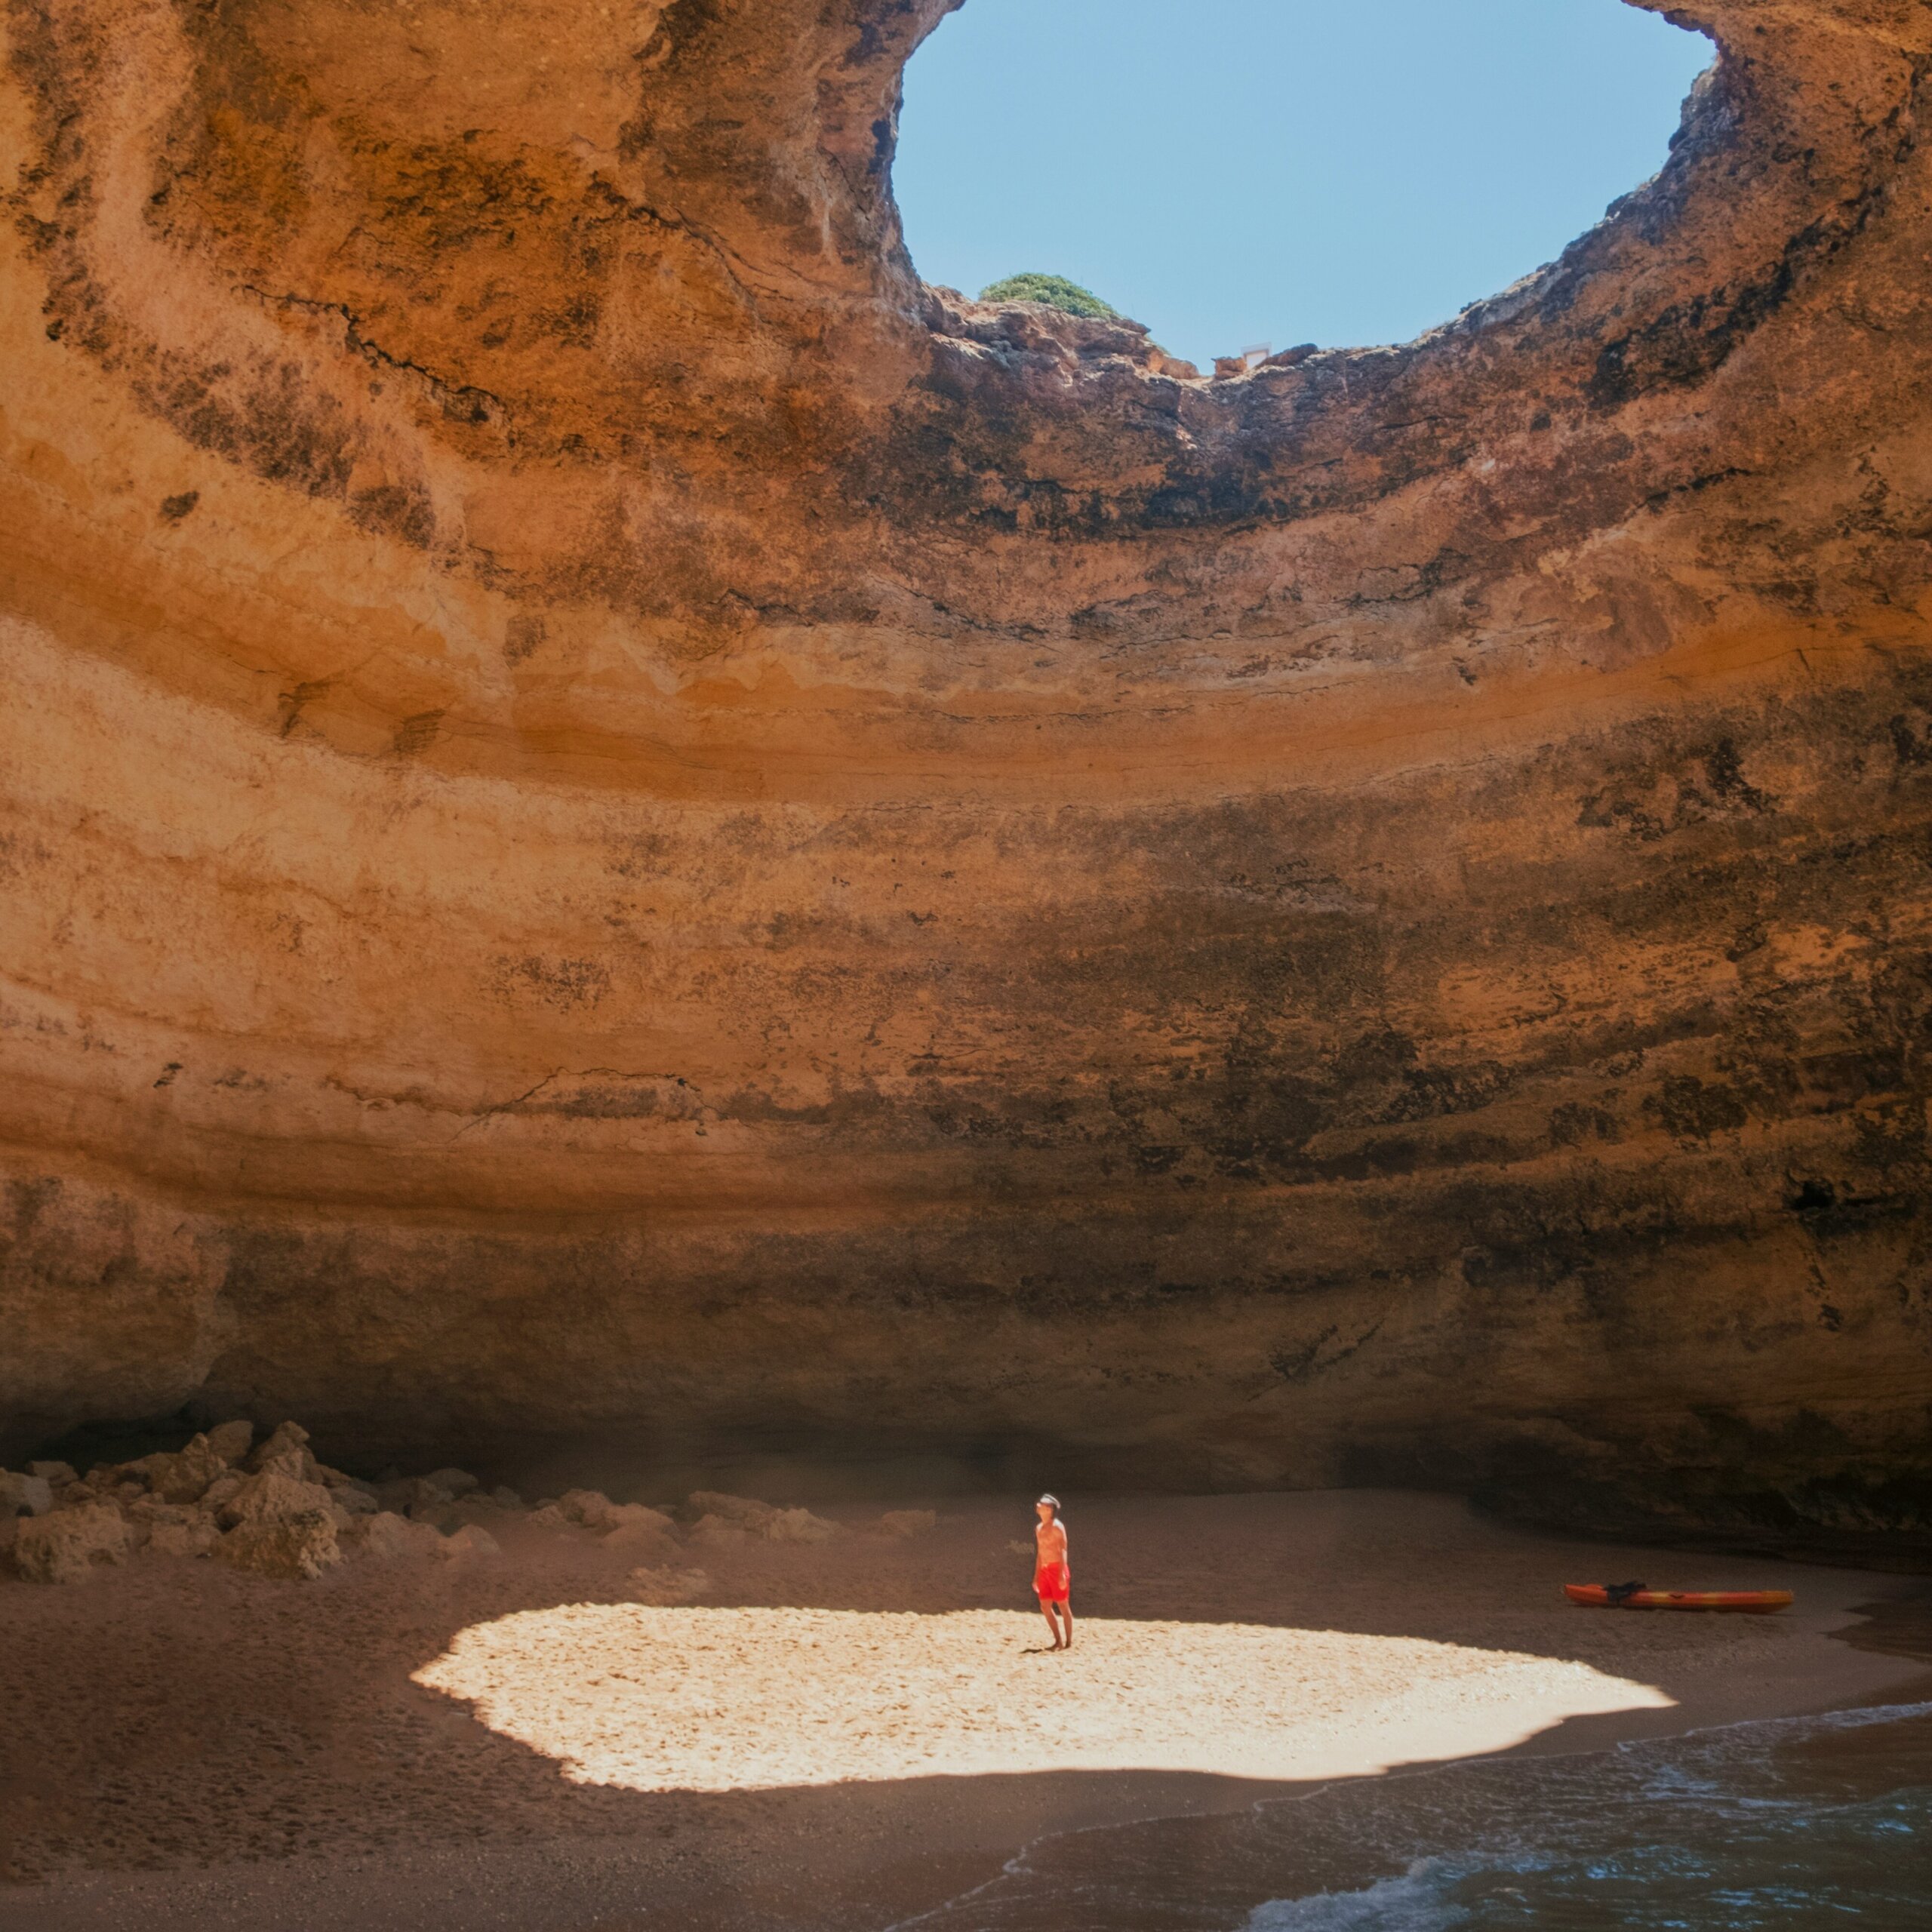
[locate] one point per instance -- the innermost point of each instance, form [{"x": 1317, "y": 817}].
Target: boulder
[
  {"x": 640, "y": 1517},
  {"x": 633, "y": 1527},
  {"x": 387, "y": 1535},
  {"x": 145, "y": 1512},
  {"x": 65, "y": 1545},
  {"x": 588, "y": 1508},
  {"x": 797, "y": 1526},
  {"x": 58, "y": 1475},
  {"x": 759, "y": 1519},
  {"x": 197, "y": 1536},
  {"x": 744, "y": 1510},
  {"x": 183, "y": 1477},
  {"x": 229, "y": 1484},
  {"x": 906, "y": 1522},
  {"x": 668, "y": 1586},
  {"x": 506, "y": 1498},
  {"x": 289, "y": 1442},
  {"x": 230, "y": 1441},
  {"x": 470, "y": 1540},
  {"x": 453, "y": 1482},
  {"x": 275, "y": 1495},
  {"x": 97, "y": 1486},
  {"x": 294, "y": 1548},
  {"x": 22, "y": 1495},
  {"x": 715, "y": 1533}
]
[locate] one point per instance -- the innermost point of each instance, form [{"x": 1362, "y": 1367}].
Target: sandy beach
[{"x": 835, "y": 1735}]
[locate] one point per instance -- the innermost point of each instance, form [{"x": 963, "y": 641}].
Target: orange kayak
[{"x": 1601, "y": 1596}]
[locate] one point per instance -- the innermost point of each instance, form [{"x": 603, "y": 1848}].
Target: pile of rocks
[{"x": 271, "y": 1508}]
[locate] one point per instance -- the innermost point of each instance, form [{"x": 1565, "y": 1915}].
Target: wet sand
[{"x": 833, "y": 1736}]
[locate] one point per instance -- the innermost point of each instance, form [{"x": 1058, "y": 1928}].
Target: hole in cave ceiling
[{"x": 1235, "y": 171}]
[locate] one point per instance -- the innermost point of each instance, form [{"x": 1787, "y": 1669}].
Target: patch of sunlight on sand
[{"x": 702, "y": 1700}]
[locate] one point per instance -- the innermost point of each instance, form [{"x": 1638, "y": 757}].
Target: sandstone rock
[
  {"x": 744, "y": 1510},
  {"x": 195, "y": 1537},
  {"x": 667, "y": 1586},
  {"x": 97, "y": 1486},
  {"x": 636, "y": 1541},
  {"x": 57, "y": 1476},
  {"x": 549, "y": 1516},
  {"x": 146, "y": 1511},
  {"x": 22, "y": 1495},
  {"x": 635, "y": 1527},
  {"x": 293, "y": 1547},
  {"x": 354, "y": 1498},
  {"x": 295, "y": 1465},
  {"x": 183, "y": 1477},
  {"x": 453, "y": 1482},
  {"x": 907, "y": 1522},
  {"x": 716, "y": 1533},
  {"x": 389, "y": 1535},
  {"x": 506, "y": 1498},
  {"x": 223, "y": 1490},
  {"x": 470, "y": 1540},
  {"x": 65, "y": 1545},
  {"x": 230, "y": 1441},
  {"x": 588, "y": 1508},
  {"x": 755, "y": 1519},
  {"x": 414, "y": 1497},
  {"x": 797, "y": 1526},
  {"x": 641, "y": 1518},
  {"x": 288, "y": 1444},
  {"x": 274, "y": 1496}
]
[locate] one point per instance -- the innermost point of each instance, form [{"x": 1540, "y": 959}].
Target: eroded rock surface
[{"x": 617, "y": 818}]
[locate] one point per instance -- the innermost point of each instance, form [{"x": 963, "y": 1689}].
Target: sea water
[{"x": 1789, "y": 1823}]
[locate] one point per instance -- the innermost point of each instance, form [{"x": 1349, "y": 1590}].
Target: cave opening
[{"x": 1251, "y": 172}]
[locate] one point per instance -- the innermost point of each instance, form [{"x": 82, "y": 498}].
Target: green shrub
[{"x": 1053, "y": 290}]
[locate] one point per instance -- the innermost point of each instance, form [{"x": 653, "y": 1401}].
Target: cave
[{"x": 625, "y": 826}]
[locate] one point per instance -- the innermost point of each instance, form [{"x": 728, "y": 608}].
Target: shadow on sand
[{"x": 187, "y": 1747}]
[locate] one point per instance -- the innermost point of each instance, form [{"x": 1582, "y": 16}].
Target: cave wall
[{"x": 616, "y": 819}]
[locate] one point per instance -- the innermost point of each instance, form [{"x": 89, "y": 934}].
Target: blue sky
[{"x": 1238, "y": 171}]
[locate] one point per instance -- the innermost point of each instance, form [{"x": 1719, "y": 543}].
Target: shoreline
[{"x": 337, "y": 1790}]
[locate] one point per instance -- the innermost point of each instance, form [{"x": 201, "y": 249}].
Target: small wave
[
  {"x": 1767, "y": 1821},
  {"x": 1418, "y": 1901}
]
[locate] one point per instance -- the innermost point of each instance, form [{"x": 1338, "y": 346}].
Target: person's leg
[
  {"x": 1047, "y": 1611},
  {"x": 1066, "y": 1617}
]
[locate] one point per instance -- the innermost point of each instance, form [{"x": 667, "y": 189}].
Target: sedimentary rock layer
[{"x": 619, "y": 820}]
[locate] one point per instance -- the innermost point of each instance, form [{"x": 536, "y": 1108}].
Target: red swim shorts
[{"x": 1052, "y": 1582}]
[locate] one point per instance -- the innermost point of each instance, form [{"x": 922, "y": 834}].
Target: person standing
[{"x": 1053, "y": 1581}]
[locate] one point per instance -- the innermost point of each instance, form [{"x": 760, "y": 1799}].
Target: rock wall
[{"x": 618, "y": 820}]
